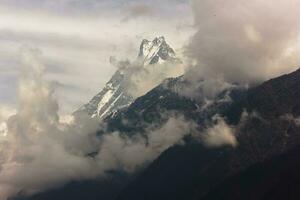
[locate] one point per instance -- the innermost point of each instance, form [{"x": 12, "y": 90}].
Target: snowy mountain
[
  {"x": 156, "y": 51},
  {"x": 114, "y": 95}
]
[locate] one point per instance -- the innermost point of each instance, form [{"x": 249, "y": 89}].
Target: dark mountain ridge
[{"x": 265, "y": 134}]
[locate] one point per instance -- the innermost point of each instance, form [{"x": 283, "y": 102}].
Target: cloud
[
  {"x": 121, "y": 152},
  {"x": 291, "y": 118},
  {"x": 6, "y": 112},
  {"x": 41, "y": 150},
  {"x": 37, "y": 130},
  {"x": 220, "y": 134},
  {"x": 77, "y": 39},
  {"x": 138, "y": 10},
  {"x": 297, "y": 121},
  {"x": 206, "y": 89},
  {"x": 243, "y": 41},
  {"x": 34, "y": 131},
  {"x": 139, "y": 79}
]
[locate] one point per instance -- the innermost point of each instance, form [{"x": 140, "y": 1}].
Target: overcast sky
[{"x": 77, "y": 38}]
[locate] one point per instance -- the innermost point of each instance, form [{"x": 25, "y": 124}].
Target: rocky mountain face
[{"x": 114, "y": 96}]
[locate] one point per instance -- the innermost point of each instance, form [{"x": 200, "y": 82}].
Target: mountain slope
[
  {"x": 101, "y": 188},
  {"x": 114, "y": 95},
  {"x": 157, "y": 104},
  {"x": 111, "y": 98},
  {"x": 193, "y": 171},
  {"x": 275, "y": 179}
]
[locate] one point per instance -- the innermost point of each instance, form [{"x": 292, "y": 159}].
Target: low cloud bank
[
  {"x": 120, "y": 151},
  {"x": 41, "y": 150}
]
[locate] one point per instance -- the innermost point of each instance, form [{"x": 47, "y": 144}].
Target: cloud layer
[
  {"x": 38, "y": 151},
  {"x": 35, "y": 132}
]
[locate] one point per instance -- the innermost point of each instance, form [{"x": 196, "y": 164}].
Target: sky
[{"x": 76, "y": 38}]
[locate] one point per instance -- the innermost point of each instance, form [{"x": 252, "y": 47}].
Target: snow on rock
[{"x": 113, "y": 96}]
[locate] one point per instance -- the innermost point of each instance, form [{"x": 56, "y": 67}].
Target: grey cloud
[
  {"x": 138, "y": 10},
  {"x": 139, "y": 80},
  {"x": 53, "y": 39},
  {"x": 34, "y": 132},
  {"x": 76, "y": 46}
]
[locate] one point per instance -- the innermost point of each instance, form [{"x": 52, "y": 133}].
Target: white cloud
[
  {"x": 119, "y": 151},
  {"x": 220, "y": 134},
  {"x": 37, "y": 151},
  {"x": 139, "y": 80},
  {"x": 244, "y": 41},
  {"x": 41, "y": 150},
  {"x": 6, "y": 112}
]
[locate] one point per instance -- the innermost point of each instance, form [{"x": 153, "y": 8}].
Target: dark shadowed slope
[
  {"x": 105, "y": 188},
  {"x": 274, "y": 179},
  {"x": 182, "y": 173}
]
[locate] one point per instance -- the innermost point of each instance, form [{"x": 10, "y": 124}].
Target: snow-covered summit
[
  {"x": 156, "y": 51},
  {"x": 114, "y": 95}
]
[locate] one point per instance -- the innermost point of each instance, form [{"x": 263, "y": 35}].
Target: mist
[
  {"x": 220, "y": 134},
  {"x": 138, "y": 79},
  {"x": 37, "y": 151},
  {"x": 40, "y": 150}
]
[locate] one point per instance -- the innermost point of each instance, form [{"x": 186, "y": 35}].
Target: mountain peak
[
  {"x": 114, "y": 95},
  {"x": 155, "y": 51},
  {"x": 159, "y": 40}
]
